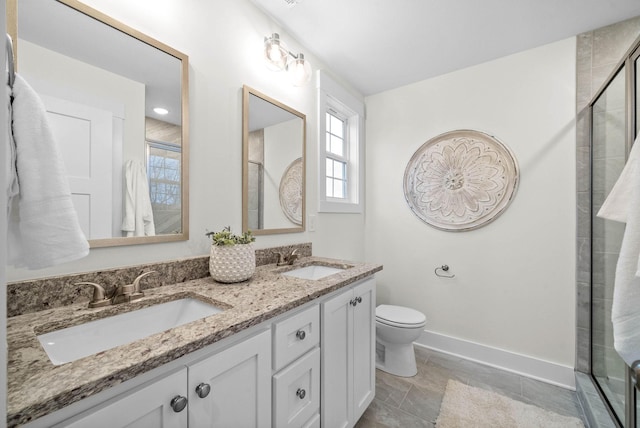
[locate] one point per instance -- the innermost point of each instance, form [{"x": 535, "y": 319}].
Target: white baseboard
[{"x": 524, "y": 365}]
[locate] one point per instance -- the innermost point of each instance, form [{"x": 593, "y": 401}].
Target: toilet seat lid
[{"x": 390, "y": 314}]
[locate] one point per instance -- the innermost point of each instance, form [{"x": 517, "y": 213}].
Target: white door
[
  {"x": 239, "y": 379},
  {"x": 336, "y": 361},
  {"x": 84, "y": 135},
  {"x": 148, "y": 406},
  {"x": 364, "y": 339}
]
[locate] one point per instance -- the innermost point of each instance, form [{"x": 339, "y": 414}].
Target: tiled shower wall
[{"x": 598, "y": 52}]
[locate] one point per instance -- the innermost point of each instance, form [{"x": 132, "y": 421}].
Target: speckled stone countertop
[{"x": 36, "y": 387}]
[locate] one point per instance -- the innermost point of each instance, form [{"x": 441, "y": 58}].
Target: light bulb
[
  {"x": 275, "y": 54},
  {"x": 300, "y": 71}
]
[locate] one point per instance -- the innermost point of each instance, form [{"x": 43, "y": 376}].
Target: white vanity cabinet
[
  {"x": 232, "y": 388},
  {"x": 311, "y": 366},
  {"x": 148, "y": 406},
  {"x": 229, "y": 388},
  {"x": 348, "y": 355}
]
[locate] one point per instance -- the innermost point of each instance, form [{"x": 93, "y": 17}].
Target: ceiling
[{"x": 377, "y": 45}]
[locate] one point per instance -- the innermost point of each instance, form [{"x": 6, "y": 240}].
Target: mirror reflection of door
[{"x": 88, "y": 153}]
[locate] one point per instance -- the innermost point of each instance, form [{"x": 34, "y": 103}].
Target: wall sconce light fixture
[{"x": 278, "y": 58}]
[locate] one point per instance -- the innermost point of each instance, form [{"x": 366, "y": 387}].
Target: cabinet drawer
[
  {"x": 296, "y": 392},
  {"x": 294, "y": 336}
]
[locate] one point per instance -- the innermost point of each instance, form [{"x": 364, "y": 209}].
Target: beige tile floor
[{"x": 415, "y": 402}]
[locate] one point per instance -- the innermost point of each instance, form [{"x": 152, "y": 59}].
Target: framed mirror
[
  {"x": 273, "y": 165},
  {"x": 117, "y": 101}
]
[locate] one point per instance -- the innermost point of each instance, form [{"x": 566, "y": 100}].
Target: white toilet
[{"x": 396, "y": 329}]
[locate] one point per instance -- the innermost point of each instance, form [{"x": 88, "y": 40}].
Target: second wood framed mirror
[{"x": 273, "y": 165}]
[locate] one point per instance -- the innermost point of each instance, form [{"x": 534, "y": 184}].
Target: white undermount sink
[
  {"x": 73, "y": 343},
  {"x": 312, "y": 272}
]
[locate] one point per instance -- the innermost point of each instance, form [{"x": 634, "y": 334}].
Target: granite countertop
[{"x": 36, "y": 387}]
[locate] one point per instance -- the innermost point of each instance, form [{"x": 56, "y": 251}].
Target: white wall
[
  {"x": 223, "y": 40},
  {"x": 515, "y": 278}
]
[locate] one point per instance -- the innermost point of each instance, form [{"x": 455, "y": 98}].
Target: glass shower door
[{"x": 609, "y": 151}]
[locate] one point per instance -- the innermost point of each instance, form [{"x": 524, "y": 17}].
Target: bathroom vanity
[{"x": 285, "y": 351}]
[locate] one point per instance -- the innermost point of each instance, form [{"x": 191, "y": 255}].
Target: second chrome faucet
[
  {"x": 120, "y": 294},
  {"x": 287, "y": 259}
]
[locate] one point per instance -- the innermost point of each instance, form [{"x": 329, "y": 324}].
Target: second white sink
[
  {"x": 73, "y": 343},
  {"x": 312, "y": 272}
]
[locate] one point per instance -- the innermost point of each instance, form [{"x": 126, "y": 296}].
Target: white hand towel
[
  {"x": 138, "y": 214},
  {"x": 43, "y": 224},
  {"x": 623, "y": 205}
]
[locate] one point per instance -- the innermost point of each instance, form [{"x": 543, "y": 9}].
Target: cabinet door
[
  {"x": 296, "y": 392},
  {"x": 336, "y": 361},
  {"x": 364, "y": 340},
  {"x": 240, "y": 381},
  {"x": 147, "y": 406}
]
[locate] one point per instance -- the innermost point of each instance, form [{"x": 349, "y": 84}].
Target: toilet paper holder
[{"x": 444, "y": 269}]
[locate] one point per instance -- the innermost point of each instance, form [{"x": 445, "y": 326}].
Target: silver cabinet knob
[
  {"x": 301, "y": 393},
  {"x": 359, "y": 299},
  {"x": 179, "y": 403},
  {"x": 353, "y": 302},
  {"x": 300, "y": 334},
  {"x": 203, "y": 390}
]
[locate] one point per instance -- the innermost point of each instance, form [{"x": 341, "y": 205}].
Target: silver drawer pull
[
  {"x": 300, "y": 334},
  {"x": 178, "y": 403},
  {"x": 301, "y": 393},
  {"x": 203, "y": 390}
]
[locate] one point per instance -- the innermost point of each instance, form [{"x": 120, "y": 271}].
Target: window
[
  {"x": 341, "y": 154},
  {"x": 336, "y": 159},
  {"x": 163, "y": 171}
]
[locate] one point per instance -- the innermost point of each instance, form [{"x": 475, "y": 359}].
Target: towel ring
[{"x": 443, "y": 268}]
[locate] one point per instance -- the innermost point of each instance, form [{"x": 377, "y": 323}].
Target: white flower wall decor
[
  {"x": 460, "y": 180},
  {"x": 291, "y": 187}
]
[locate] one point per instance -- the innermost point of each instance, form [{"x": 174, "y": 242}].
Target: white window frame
[{"x": 333, "y": 98}]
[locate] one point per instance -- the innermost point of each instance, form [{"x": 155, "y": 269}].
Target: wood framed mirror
[
  {"x": 273, "y": 165},
  {"x": 100, "y": 81}
]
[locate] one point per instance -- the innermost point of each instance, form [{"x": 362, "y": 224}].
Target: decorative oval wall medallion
[
  {"x": 291, "y": 187},
  {"x": 460, "y": 180}
]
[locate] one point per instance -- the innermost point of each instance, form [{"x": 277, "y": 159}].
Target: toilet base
[{"x": 396, "y": 359}]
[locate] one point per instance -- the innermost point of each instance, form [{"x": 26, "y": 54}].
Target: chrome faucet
[
  {"x": 287, "y": 259},
  {"x": 121, "y": 294}
]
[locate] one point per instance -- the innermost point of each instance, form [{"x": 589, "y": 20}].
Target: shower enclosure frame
[{"x": 628, "y": 63}]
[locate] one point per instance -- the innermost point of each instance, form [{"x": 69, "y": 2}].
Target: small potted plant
[{"x": 233, "y": 258}]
